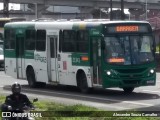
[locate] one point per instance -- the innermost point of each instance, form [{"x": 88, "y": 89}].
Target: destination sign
[{"x": 127, "y": 28}]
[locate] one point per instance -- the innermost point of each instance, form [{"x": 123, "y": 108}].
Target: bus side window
[
  {"x": 30, "y": 40},
  {"x": 60, "y": 40},
  {"x": 82, "y": 41},
  {"x": 41, "y": 40},
  {"x": 9, "y": 39},
  {"x": 69, "y": 42}
]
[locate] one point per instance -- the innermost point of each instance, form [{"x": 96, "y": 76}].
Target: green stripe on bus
[
  {"x": 29, "y": 54},
  {"x": 80, "y": 59},
  {"x": 10, "y": 54}
]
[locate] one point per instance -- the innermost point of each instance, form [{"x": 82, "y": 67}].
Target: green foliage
[
  {"x": 51, "y": 106},
  {"x": 2, "y": 99}
]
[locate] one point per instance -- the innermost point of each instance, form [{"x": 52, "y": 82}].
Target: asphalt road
[{"x": 142, "y": 99}]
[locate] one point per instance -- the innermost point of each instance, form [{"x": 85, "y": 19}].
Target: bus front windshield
[{"x": 127, "y": 50}]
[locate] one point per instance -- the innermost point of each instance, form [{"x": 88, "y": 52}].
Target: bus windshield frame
[
  {"x": 129, "y": 49},
  {"x": 125, "y": 45}
]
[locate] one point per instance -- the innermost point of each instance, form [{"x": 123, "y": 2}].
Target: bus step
[
  {"x": 97, "y": 85},
  {"x": 53, "y": 83}
]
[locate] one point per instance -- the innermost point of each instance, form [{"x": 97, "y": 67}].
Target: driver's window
[{"x": 146, "y": 45}]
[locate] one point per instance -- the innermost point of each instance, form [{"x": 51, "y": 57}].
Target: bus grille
[
  {"x": 139, "y": 70},
  {"x": 131, "y": 76},
  {"x": 131, "y": 82}
]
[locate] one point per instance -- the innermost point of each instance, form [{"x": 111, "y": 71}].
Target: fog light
[
  {"x": 152, "y": 71},
  {"x": 108, "y": 73}
]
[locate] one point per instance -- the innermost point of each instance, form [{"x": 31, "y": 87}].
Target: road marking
[
  {"x": 120, "y": 101},
  {"x": 151, "y": 91}
]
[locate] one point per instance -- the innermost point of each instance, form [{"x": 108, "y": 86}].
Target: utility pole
[
  {"x": 111, "y": 17},
  {"x": 122, "y": 10},
  {"x": 146, "y": 10},
  {"x": 5, "y": 8},
  {"x": 36, "y": 11}
]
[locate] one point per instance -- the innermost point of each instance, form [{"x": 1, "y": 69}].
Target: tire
[
  {"x": 82, "y": 83},
  {"x": 41, "y": 84},
  {"x": 128, "y": 90},
  {"x": 31, "y": 78}
]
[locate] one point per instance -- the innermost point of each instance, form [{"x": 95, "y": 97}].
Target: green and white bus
[{"x": 86, "y": 54}]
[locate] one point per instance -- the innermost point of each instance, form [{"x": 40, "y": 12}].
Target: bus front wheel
[
  {"x": 31, "y": 78},
  {"x": 128, "y": 89}
]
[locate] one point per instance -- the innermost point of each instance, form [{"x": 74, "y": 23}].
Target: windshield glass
[{"x": 127, "y": 50}]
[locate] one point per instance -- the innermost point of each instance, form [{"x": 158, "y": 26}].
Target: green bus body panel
[
  {"x": 128, "y": 76},
  {"x": 29, "y": 54},
  {"x": 20, "y": 31},
  {"x": 94, "y": 29},
  {"x": 10, "y": 53},
  {"x": 77, "y": 59}
]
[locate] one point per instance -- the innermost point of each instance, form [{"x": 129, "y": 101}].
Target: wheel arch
[
  {"x": 82, "y": 70},
  {"x": 30, "y": 66}
]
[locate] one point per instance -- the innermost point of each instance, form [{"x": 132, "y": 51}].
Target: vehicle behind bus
[{"x": 83, "y": 54}]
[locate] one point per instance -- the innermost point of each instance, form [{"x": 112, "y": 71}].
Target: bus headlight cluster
[
  {"x": 108, "y": 73},
  {"x": 152, "y": 71}
]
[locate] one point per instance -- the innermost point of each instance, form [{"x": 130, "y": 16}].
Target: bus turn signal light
[{"x": 84, "y": 58}]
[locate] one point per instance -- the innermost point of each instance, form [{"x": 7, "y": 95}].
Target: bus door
[
  {"x": 20, "y": 56},
  {"x": 96, "y": 58},
  {"x": 52, "y": 64}
]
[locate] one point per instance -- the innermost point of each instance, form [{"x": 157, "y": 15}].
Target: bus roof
[
  {"x": 64, "y": 24},
  {"x": 12, "y": 18}
]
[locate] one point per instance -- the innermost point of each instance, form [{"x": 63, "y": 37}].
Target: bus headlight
[
  {"x": 108, "y": 73},
  {"x": 152, "y": 71}
]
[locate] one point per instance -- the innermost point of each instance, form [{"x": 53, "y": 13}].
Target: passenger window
[
  {"x": 41, "y": 40},
  {"x": 69, "y": 41},
  {"x": 30, "y": 39}
]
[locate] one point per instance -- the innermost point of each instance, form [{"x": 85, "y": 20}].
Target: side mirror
[
  {"x": 103, "y": 44},
  {"x": 35, "y": 100}
]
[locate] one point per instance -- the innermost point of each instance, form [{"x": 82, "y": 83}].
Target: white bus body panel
[
  {"x": 21, "y": 68},
  {"x": 52, "y": 49},
  {"x": 41, "y": 66},
  {"x": 67, "y": 75},
  {"x": 10, "y": 67}
]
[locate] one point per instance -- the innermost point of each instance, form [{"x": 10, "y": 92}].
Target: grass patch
[{"x": 51, "y": 106}]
